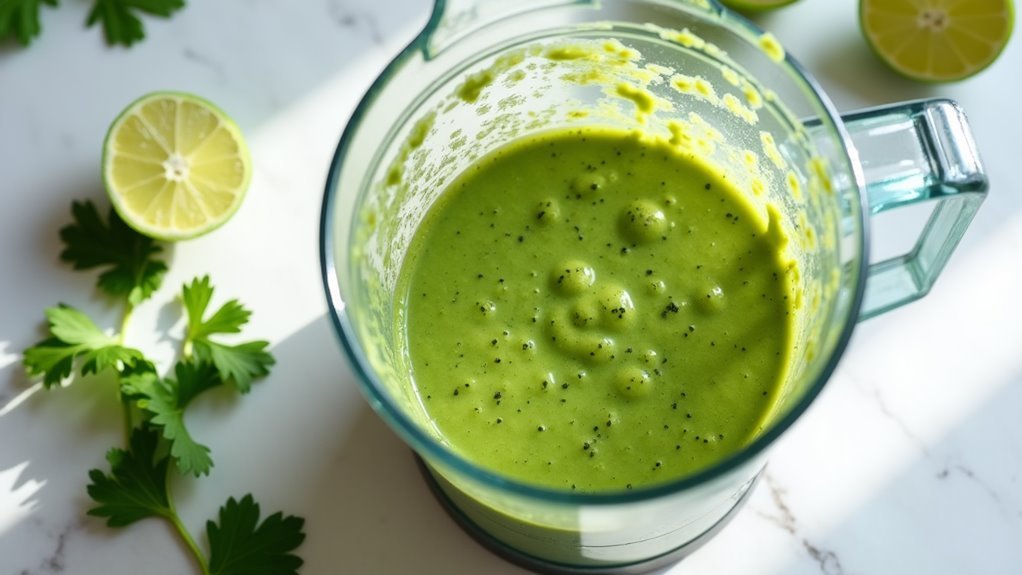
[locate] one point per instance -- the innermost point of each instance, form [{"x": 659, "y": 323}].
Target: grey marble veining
[
  {"x": 355, "y": 16},
  {"x": 784, "y": 518}
]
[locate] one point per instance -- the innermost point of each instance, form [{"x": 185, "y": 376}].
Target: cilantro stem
[
  {"x": 129, "y": 423},
  {"x": 186, "y": 537},
  {"x": 129, "y": 309}
]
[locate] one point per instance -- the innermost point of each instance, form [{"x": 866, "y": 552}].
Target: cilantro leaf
[
  {"x": 133, "y": 272},
  {"x": 238, "y": 364},
  {"x": 228, "y": 319},
  {"x": 74, "y": 338},
  {"x": 238, "y": 546},
  {"x": 136, "y": 487},
  {"x": 135, "y": 378},
  {"x": 121, "y": 25},
  {"x": 166, "y": 400},
  {"x": 20, "y": 18}
]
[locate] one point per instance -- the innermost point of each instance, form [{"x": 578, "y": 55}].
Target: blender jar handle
[{"x": 909, "y": 153}]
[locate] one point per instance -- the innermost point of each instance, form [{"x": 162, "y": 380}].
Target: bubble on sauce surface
[
  {"x": 616, "y": 306},
  {"x": 708, "y": 438},
  {"x": 585, "y": 313},
  {"x": 573, "y": 277},
  {"x": 632, "y": 382},
  {"x": 711, "y": 299},
  {"x": 548, "y": 211},
  {"x": 487, "y": 308},
  {"x": 587, "y": 184},
  {"x": 649, "y": 357},
  {"x": 642, "y": 221},
  {"x": 549, "y": 381},
  {"x": 603, "y": 350},
  {"x": 579, "y": 341}
]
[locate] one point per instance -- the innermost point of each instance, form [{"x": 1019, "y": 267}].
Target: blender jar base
[{"x": 542, "y": 566}]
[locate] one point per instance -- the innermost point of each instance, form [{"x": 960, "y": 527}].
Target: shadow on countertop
[{"x": 367, "y": 509}]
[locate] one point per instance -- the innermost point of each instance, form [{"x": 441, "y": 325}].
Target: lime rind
[
  {"x": 756, "y": 5},
  {"x": 131, "y": 217}
]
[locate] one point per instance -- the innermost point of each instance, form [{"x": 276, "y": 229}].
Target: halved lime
[
  {"x": 175, "y": 166},
  {"x": 937, "y": 40},
  {"x": 756, "y": 5}
]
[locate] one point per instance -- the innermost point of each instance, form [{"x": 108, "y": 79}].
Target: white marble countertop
[{"x": 909, "y": 462}]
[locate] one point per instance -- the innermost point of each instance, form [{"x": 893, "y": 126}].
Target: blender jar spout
[{"x": 452, "y": 20}]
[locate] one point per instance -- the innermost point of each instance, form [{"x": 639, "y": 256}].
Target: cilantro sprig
[
  {"x": 136, "y": 489},
  {"x": 156, "y": 434},
  {"x": 119, "y": 18}
]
